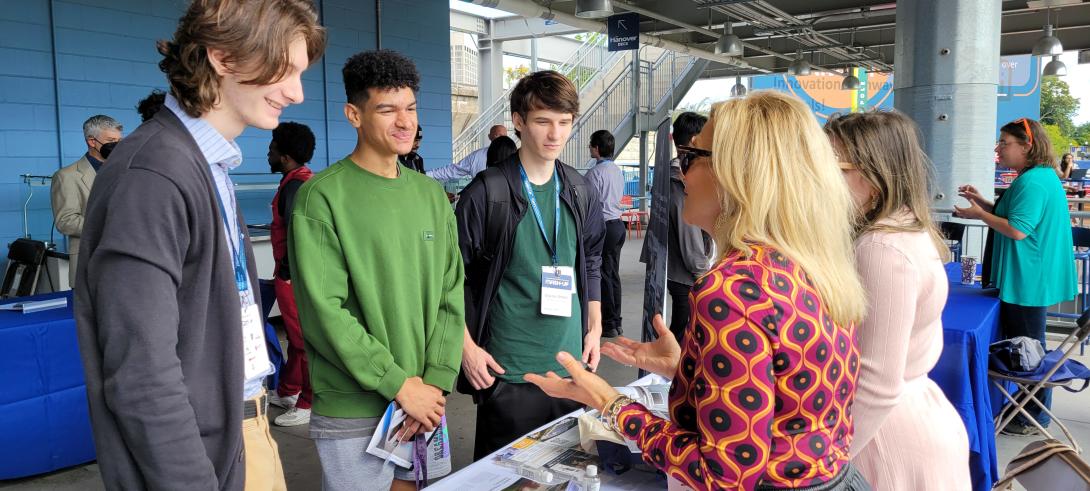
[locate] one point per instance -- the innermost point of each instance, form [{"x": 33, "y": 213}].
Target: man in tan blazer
[{"x": 72, "y": 184}]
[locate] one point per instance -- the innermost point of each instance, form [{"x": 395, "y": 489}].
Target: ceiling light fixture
[
  {"x": 799, "y": 66},
  {"x": 1048, "y": 44},
  {"x": 593, "y": 9},
  {"x": 850, "y": 82},
  {"x": 729, "y": 44},
  {"x": 738, "y": 90},
  {"x": 1055, "y": 68}
]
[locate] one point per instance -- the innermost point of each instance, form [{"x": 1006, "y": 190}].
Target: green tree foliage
[
  {"x": 1058, "y": 106},
  {"x": 1061, "y": 143},
  {"x": 1082, "y": 134}
]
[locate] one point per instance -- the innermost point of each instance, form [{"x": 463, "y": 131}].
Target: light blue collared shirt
[
  {"x": 608, "y": 179},
  {"x": 470, "y": 166},
  {"x": 222, "y": 156}
]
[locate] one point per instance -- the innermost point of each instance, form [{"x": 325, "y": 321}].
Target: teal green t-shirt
[
  {"x": 1039, "y": 270},
  {"x": 523, "y": 340}
]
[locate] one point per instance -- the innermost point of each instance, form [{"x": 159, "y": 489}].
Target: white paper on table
[{"x": 37, "y": 305}]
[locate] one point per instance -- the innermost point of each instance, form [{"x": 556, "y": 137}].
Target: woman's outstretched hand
[
  {"x": 660, "y": 356},
  {"x": 583, "y": 386}
]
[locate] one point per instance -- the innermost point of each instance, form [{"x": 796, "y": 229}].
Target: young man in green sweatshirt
[{"x": 378, "y": 281}]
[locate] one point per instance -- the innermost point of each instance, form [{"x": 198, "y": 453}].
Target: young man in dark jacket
[
  {"x": 689, "y": 247},
  {"x": 530, "y": 231},
  {"x": 167, "y": 314}
]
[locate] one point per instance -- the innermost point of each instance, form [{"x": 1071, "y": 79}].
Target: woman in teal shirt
[{"x": 1032, "y": 260}]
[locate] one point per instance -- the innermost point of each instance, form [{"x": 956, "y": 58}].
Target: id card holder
[
  {"x": 256, "y": 359},
  {"x": 557, "y": 288}
]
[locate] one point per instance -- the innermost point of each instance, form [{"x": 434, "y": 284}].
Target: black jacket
[
  {"x": 158, "y": 319},
  {"x": 486, "y": 258}
]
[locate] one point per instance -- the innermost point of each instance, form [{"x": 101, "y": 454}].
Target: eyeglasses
[
  {"x": 846, "y": 166},
  {"x": 686, "y": 155}
]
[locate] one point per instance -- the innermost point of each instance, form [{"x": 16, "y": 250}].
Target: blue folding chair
[
  {"x": 1080, "y": 237},
  {"x": 1057, "y": 369}
]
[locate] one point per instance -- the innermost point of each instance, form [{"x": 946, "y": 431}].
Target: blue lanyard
[
  {"x": 537, "y": 211},
  {"x": 238, "y": 256}
]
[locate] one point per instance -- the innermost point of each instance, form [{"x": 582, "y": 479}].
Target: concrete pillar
[
  {"x": 490, "y": 78},
  {"x": 946, "y": 78}
]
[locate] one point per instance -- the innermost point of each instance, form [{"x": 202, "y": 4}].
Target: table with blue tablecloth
[
  {"x": 43, "y": 407},
  {"x": 970, "y": 322}
]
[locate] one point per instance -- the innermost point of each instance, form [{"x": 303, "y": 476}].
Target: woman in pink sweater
[{"x": 907, "y": 434}]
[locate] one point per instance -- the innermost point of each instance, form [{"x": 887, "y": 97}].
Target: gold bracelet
[{"x": 613, "y": 409}]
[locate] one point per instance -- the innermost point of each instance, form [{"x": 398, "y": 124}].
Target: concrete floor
[{"x": 303, "y": 472}]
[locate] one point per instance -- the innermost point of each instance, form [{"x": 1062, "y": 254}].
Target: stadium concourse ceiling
[{"x": 834, "y": 34}]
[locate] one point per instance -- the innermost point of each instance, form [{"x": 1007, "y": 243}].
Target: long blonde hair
[
  {"x": 885, "y": 147},
  {"x": 780, "y": 185}
]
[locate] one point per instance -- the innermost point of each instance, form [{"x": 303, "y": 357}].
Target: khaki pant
[{"x": 263, "y": 469}]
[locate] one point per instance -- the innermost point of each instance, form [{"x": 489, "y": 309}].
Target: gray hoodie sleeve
[{"x": 691, "y": 241}]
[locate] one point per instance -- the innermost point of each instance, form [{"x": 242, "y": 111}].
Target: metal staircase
[{"x": 605, "y": 83}]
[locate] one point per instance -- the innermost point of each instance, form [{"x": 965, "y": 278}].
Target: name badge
[
  {"x": 253, "y": 342},
  {"x": 557, "y": 287}
]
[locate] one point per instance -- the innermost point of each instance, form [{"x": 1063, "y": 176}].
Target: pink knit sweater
[{"x": 907, "y": 434}]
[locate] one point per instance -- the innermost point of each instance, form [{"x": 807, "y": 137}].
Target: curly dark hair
[
  {"x": 378, "y": 69},
  {"x": 254, "y": 34},
  {"x": 148, "y": 106},
  {"x": 294, "y": 140}
]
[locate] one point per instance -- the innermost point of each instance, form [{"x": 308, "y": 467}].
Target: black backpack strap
[
  {"x": 498, "y": 212},
  {"x": 582, "y": 193}
]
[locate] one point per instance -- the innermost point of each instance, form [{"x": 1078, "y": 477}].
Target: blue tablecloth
[
  {"x": 970, "y": 322},
  {"x": 43, "y": 406}
]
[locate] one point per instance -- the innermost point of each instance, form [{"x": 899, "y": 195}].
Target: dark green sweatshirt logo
[{"x": 429, "y": 235}]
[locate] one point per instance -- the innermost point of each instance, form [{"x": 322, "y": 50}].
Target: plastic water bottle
[{"x": 591, "y": 481}]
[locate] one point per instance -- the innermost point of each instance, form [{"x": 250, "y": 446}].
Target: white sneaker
[
  {"x": 283, "y": 402},
  {"x": 294, "y": 417}
]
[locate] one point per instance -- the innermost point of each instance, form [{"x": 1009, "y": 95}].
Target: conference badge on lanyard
[
  {"x": 557, "y": 282},
  {"x": 255, "y": 357},
  {"x": 557, "y": 288}
]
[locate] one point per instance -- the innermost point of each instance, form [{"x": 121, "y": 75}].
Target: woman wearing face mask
[
  {"x": 907, "y": 434},
  {"x": 762, "y": 387},
  {"x": 1031, "y": 261}
]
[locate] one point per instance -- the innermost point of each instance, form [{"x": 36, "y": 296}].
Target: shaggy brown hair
[
  {"x": 255, "y": 35},
  {"x": 885, "y": 147},
  {"x": 1040, "y": 148},
  {"x": 546, "y": 89}
]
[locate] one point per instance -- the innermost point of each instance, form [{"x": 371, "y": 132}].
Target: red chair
[{"x": 632, "y": 217}]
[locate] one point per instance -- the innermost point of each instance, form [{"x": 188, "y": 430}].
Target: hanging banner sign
[{"x": 624, "y": 31}]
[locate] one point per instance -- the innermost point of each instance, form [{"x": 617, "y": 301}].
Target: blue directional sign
[{"x": 624, "y": 31}]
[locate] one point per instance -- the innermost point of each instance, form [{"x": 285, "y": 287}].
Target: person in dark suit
[{"x": 166, "y": 302}]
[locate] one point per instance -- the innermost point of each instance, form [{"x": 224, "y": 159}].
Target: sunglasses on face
[{"x": 686, "y": 155}]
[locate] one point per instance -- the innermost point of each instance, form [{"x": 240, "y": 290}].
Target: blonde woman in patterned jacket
[
  {"x": 763, "y": 385},
  {"x": 907, "y": 434}
]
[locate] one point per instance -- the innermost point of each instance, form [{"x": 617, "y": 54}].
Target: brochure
[{"x": 386, "y": 446}]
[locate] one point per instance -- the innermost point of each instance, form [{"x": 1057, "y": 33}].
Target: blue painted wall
[{"x": 62, "y": 61}]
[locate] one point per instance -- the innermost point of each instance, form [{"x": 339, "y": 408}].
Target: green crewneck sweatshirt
[{"x": 377, "y": 276}]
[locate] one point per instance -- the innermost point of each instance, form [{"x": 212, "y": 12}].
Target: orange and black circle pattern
[{"x": 764, "y": 387}]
